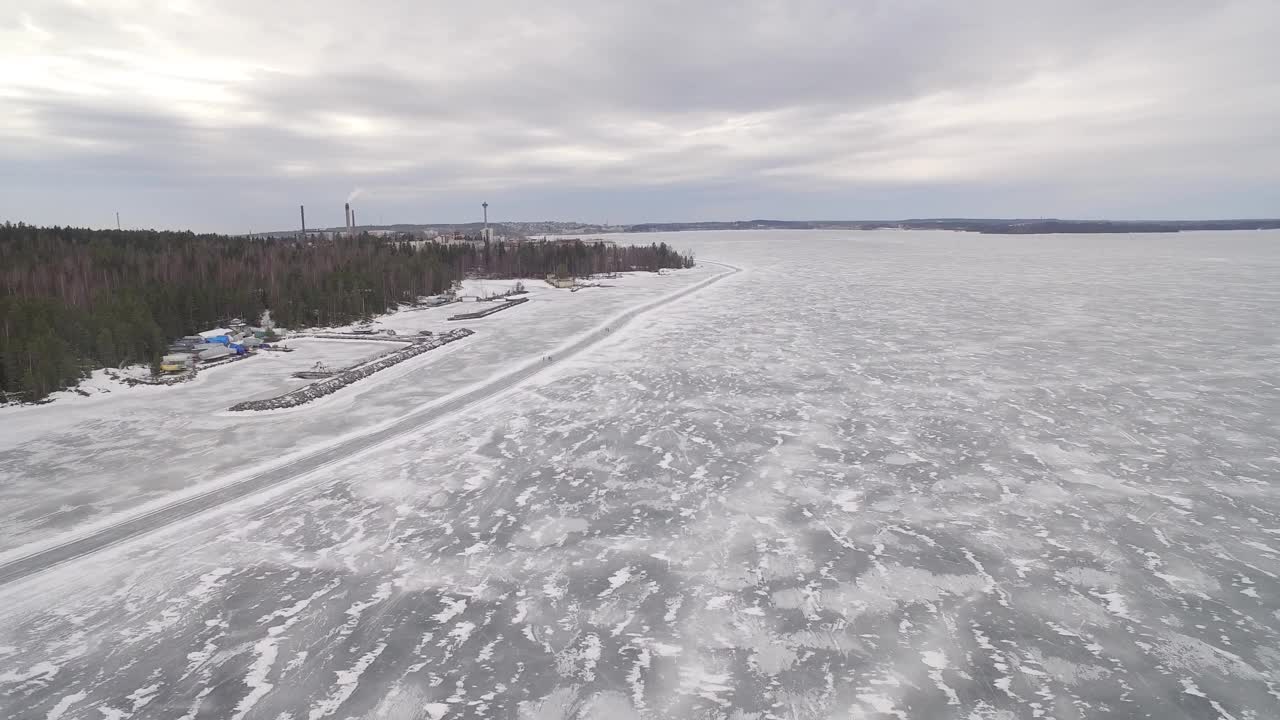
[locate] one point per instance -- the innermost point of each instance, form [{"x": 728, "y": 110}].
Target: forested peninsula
[{"x": 73, "y": 300}]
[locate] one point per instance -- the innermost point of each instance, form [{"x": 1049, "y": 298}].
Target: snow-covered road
[{"x": 874, "y": 475}]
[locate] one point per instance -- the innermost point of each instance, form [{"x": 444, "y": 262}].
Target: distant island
[{"x": 992, "y": 226}]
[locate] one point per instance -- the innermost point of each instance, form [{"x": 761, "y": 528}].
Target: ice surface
[{"x": 874, "y": 475}]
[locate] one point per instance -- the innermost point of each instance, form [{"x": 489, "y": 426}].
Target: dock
[{"x": 489, "y": 311}]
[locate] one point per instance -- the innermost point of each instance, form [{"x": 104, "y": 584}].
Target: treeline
[{"x": 74, "y": 299}]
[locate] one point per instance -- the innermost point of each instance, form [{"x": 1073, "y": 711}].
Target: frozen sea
[{"x": 871, "y": 475}]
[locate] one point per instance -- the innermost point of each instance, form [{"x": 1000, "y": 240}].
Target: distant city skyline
[{"x": 226, "y": 117}]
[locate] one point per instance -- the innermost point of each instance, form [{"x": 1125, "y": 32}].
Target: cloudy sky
[{"x": 227, "y": 115}]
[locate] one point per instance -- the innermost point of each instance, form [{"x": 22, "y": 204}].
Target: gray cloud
[{"x": 176, "y": 112}]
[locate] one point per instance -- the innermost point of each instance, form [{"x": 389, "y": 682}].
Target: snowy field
[{"x": 874, "y": 475}]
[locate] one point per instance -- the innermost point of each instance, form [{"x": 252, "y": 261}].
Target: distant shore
[
  {"x": 992, "y": 226},
  {"x": 987, "y": 226}
]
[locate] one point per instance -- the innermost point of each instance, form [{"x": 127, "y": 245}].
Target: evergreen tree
[
  {"x": 106, "y": 348},
  {"x": 30, "y": 384}
]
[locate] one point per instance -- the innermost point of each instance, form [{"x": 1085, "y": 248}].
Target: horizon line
[{"x": 384, "y": 226}]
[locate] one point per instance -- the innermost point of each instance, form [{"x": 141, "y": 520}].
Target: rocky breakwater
[{"x": 328, "y": 386}]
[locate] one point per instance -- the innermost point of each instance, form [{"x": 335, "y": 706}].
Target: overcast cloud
[{"x": 227, "y": 115}]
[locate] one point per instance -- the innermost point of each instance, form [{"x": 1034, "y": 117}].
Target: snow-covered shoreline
[{"x": 203, "y": 445}]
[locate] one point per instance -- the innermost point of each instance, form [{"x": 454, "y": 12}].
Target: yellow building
[{"x": 176, "y": 363}]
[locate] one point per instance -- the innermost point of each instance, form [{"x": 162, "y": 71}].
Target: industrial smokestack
[
  {"x": 485, "y": 232},
  {"x": 347, "y": 217},
  {"x": 353, "y": 222},
  {"x": 302, "y": 210}
]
